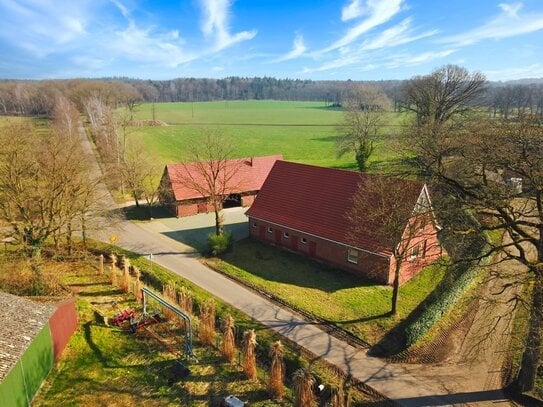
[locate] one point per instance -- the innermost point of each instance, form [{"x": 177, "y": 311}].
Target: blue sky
[{"x": 327, "y": 39}]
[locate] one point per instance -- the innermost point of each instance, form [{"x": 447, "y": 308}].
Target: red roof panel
[
  {"x": 316, "y": 200},
  {"x": 249, "y": 175}
]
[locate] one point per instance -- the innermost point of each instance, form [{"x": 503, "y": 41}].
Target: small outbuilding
[
  {"x": 32, "y": 337},
  {"x": 304, "y": 208},
  {"x": 183, "y": 189}
]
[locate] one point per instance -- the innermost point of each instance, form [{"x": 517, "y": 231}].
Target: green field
[{"x": 300, "y": 131}]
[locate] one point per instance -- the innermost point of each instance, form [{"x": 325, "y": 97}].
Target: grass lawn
[
  {"x": 301, "y": 131},
  {"x": 356, "y": 305}
]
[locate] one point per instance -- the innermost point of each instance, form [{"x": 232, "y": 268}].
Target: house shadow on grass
[{"x": 282, "y": 266}]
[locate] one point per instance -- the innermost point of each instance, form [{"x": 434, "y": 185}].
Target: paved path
[{"x": 391, "y": 380}]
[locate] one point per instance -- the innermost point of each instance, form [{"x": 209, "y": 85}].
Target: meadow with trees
[{"x": 478, "y": 145}]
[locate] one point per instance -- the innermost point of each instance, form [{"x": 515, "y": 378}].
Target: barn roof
[
  {"x": 21, "y": 320},
  {"x": 250, "y": 174},
  {"x": 316, "y": 200}
]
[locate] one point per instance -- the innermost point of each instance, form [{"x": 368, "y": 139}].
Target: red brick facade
[
  {"x": 375, "y": 266},
  {"x": 192, "y": 207}
]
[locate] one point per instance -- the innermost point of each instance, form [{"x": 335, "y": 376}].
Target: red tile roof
[
  {"x": 248, "y": 177},
  {"x": 316, "y": 200}
]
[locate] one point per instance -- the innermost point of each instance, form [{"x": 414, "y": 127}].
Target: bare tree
[
  {"x": 364, "y": 114},
  {"x": 212, "y": 173},
  {"x": 45, "y": 185},
  {"x": 397, "y": 215},
  {"x": 495, "y": 171},
  {"x": 140, "y": 174}
]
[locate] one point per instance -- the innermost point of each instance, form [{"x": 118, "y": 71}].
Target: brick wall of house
[
  {"x": 247, "y": 200},
  {"x": 368, "y": 265},
  {"x": 428, "y": 250},
  {"x": 187, "y": 209}
]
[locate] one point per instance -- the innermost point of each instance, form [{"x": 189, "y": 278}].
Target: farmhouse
[
  {"x": 180, "y": 191},
  {"x": 304, "y": 208}
]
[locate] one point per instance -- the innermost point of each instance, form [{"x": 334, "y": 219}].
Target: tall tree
[
  {"x": 45, "y": 187},
  {"x": 494, "y": 170},
  {"x": 364, "y": 113},
  {"x": 140, "y": 174},
  {"x": 397, "y": 215},
  {"x": 442, "y": 103},
  {"x": 211, "y": 172}
]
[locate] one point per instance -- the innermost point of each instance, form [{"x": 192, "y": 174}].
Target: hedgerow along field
[{"x": 302, "y": 131}]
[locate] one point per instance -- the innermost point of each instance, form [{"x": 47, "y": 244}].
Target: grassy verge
[
  {"x": 356, "y": 305},
  {"x": 104, "y": 365}
]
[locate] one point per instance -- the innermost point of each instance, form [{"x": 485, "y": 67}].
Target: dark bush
[{"x": 219, "y": 244}]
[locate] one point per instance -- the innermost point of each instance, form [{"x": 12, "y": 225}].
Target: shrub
[
  {"x": 249, "y": 355},
  {"x": 218, "y": 244},
  {"x": 228, "y": 347}
]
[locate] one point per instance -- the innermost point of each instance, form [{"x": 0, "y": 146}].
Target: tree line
[{"x": 38, "y": 97}]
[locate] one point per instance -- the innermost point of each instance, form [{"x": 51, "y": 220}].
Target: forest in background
[{"x": 38, "y": 97}]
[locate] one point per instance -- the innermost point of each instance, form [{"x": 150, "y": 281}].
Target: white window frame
[
  {"x": 303, "y": 240},
  {"x": 270, "y": 229},
  {"x": 254, "y": 224},
  {"x": 286, "y": 235},
  {"x": 352, "y": 255},
  {"x": 413, "y": 253}
]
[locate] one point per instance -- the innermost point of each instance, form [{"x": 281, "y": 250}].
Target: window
[
  {"x": 286, "y": 235},
  {"x": 254, "y": 224},
  {"x": 303, "y": 240},
  {"x": 414, "y": 252},
  {"x": 423, "y": 251},
  {"x": 270, "y": 229},
  {"x": 352, "y": 256}
]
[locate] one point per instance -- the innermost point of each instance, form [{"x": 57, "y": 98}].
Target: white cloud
[
  {"x": 298, "y": 49},
  {"x": 410, "y": 60},
  {"x": 41, "y": 26},
  {"x": 352, "y": 10},
  {"x": 149, "y": 46},
  {"x": 377, "y": 12},
  {"x": 216, "y": 24},
  {"x": 530, "y": 71},
  {"x": 399, "y": 34},
  {"x": 508, "y": 23},
  {"x": 122, "y": 8},
  {"x": 369, "y": 50}
]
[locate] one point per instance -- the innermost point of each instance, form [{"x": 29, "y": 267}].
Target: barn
[
  {"x": 304, "y": 208},
  {"x": 32, "y": 337},
  {"x": 178, "y": 193}
]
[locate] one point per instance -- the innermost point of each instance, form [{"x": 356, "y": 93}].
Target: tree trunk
[
  {"x": 530, "y": 358},
  {"x": 218, "y": 222},
  {"x": 396, "y": 287},
  {"x": 69, "y": 238},
  {"x": 84, "y": 233},
  {"x": 135, "y": 195}
]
